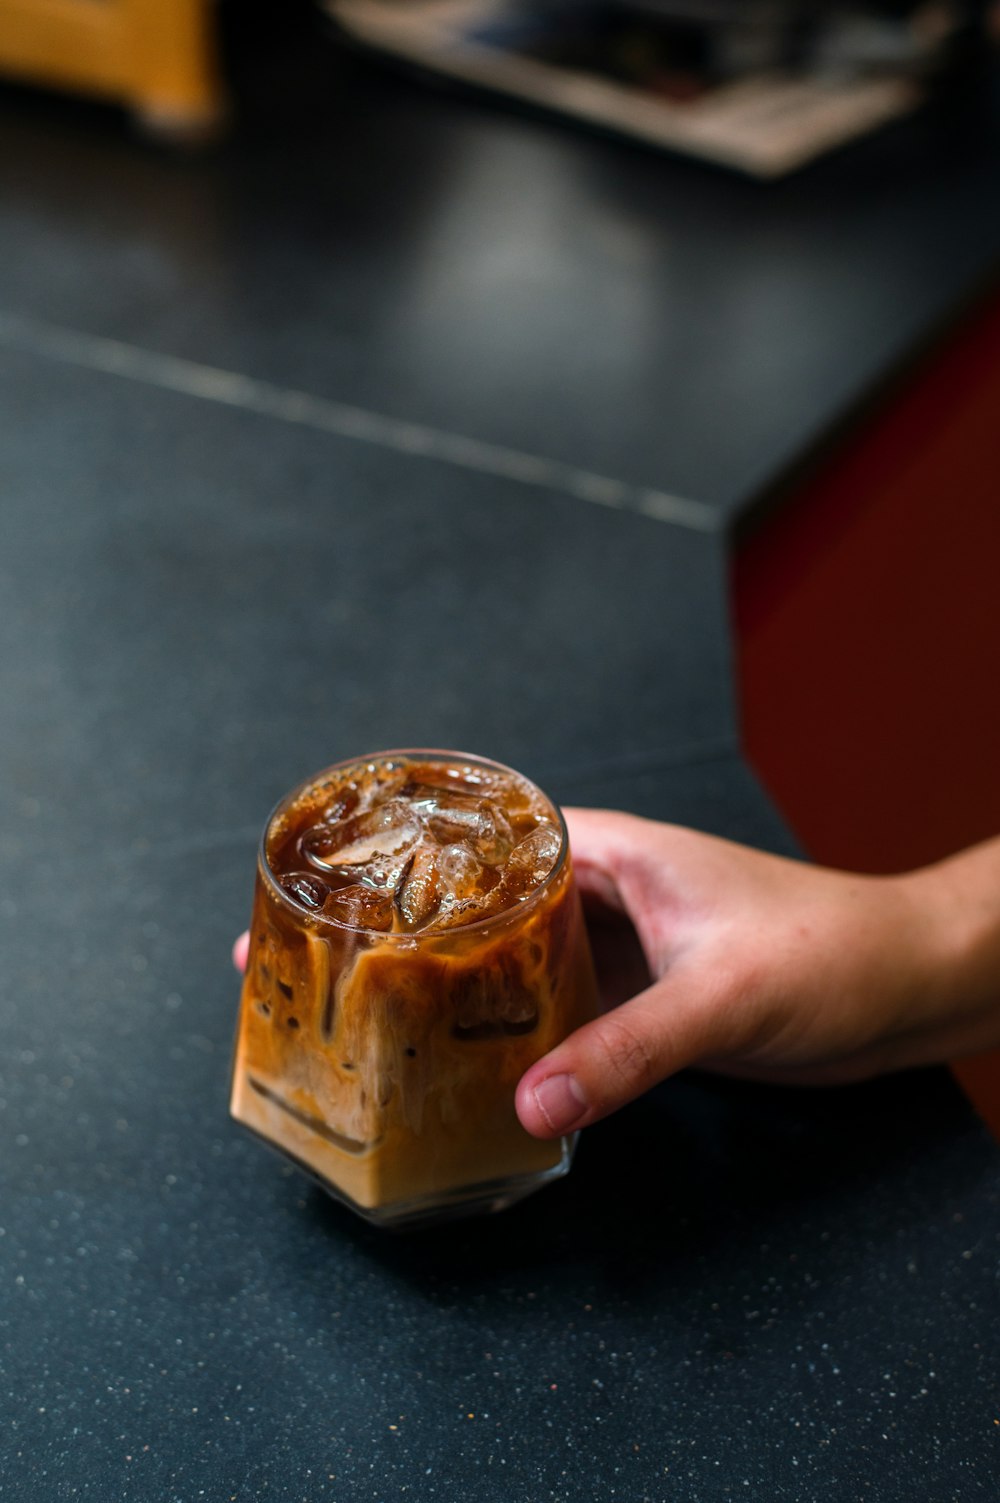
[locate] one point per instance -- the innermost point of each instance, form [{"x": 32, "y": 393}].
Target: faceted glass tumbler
[{"x": 385, "y": 1064}]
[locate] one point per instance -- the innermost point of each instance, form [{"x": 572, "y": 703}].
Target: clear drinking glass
[{"x": 417, "y": 942}]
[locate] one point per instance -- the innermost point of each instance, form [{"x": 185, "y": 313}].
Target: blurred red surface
[{"x": 867, "y": 617}]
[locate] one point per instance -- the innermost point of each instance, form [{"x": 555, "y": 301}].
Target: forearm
[{"x": 959, "y": 899}]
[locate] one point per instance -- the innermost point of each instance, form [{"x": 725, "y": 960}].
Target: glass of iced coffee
[{"x": 417, "y": 942}]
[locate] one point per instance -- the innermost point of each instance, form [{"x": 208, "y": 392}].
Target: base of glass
[
  {"x": 480, "y": 1199},
  {"x": 467, "y": 1200}
]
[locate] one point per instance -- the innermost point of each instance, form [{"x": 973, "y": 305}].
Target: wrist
[{"x": 957, "y": 910}]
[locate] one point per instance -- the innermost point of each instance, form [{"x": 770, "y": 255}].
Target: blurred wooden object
[{"x": 156, "y": 57}]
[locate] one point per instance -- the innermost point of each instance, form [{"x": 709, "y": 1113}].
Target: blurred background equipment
[
  {"x": 154, "y": 56},
  {"x": 763, "y": 86}
]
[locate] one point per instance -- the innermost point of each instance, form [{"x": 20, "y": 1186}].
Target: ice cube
[
  {"x": 459, "y": 817},
  {"x": 418, "y": 893},
  {"x": 444, "y": 782},
  {"x": 537, "y": 852},
  {"x": 307, "y": 890},
  {"x": 519, "y": 1011},
  {"x": 531, "y": 860},
  {"x": 390, "y": 829},
  {"x": 346, "y": 803},
  {"x": 473, "y": 909},
  {"x": 495, "y": 838},
  {"x": 430, "y": 799},
  {"x": 492, "y": 1004},
  {"x": 459, "y": 872},
  {"x": 319, "y": 846},
  {"x": 455, "y": 823},
  {"x": 360, "y": 906},
  {"x": 468, "y": 887}
]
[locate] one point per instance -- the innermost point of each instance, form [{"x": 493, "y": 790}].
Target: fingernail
[{"x": 560, "y": 1101}]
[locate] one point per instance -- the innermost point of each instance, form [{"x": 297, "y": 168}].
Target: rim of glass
[{"x": 413, "y": 753}]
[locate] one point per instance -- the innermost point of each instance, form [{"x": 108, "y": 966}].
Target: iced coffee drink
[{"x": 416, "y": 944}]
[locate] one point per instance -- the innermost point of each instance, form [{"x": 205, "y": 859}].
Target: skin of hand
[{"x": 713, "y": 954}]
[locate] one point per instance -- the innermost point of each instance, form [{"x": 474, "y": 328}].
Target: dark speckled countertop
[{"x": 404, "y": 418}]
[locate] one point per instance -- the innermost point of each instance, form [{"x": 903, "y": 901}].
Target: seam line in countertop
[{"x": 232, "y": 389}]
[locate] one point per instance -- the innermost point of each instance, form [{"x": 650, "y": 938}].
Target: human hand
[{"x": 714, "y": 954}]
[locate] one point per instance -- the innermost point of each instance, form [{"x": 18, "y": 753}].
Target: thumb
[
  {"x": 617, "y": 1057},
  {"x": 241, "y": 950}
]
